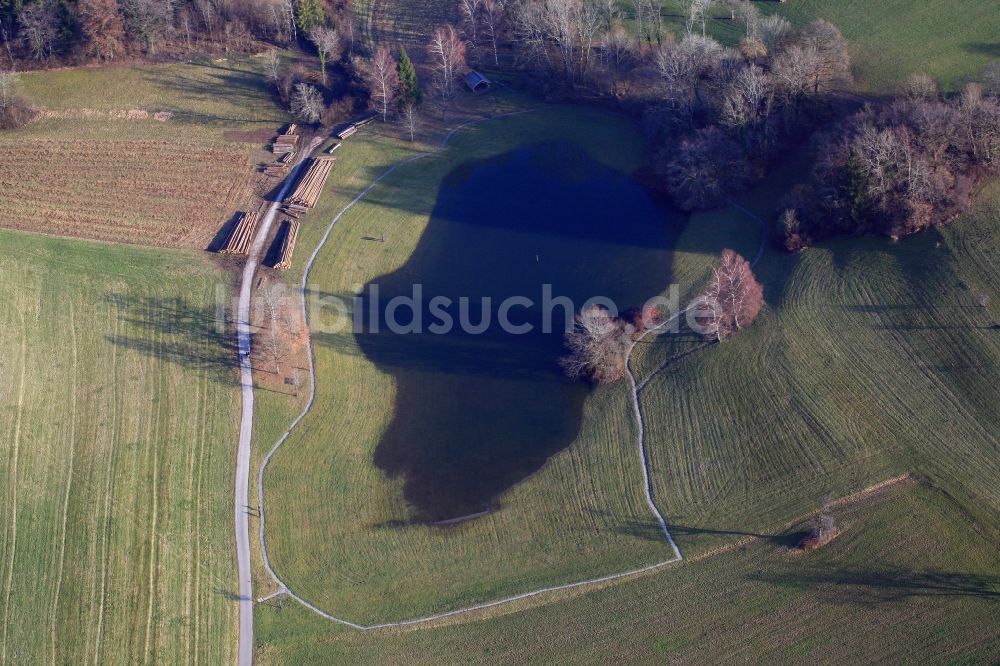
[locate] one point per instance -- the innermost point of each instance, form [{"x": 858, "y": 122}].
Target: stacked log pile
[
  {"x": 279, "y": 167},
  {"x": 288, "y": 245},
  {"x": 309, "y": 187},
  {"x": 242, "y": 234},
  {"x": 285, "y": 143}
]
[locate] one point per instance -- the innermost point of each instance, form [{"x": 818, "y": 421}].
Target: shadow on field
[
  {"x": 174, "y": 330},
  {"x": 857, "y": 585},
  {"x": 649, "y": 530},
  {"x": 223, "y": 81},
  {"x": 477, "y": 412}
]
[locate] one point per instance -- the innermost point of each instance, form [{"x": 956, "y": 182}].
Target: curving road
[{"x": 241, "y": 505}]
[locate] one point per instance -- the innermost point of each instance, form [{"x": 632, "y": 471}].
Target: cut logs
[
  {"x": 239, "y": 239},
  {"x": 279, "y": 167},
  {"x": 285, "y": 143},
  {"x": 288, "y": 245},
  {"x": 309, "y": 187}
]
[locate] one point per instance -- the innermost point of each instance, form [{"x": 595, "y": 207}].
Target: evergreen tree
[
  {"x": 409, "y": 86},
  {"x": 309, "y": 14}
]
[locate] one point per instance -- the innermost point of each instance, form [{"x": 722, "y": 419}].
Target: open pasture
[{"x": 117, "y": 433}]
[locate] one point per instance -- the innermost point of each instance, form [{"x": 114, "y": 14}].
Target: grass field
[
  {"x": 117, "y": 430},
  {"x": 871, "y": 359},
  {"x": 890, "y": 39},
  {"x": 561, "y": 526},
  {"x": 152, "y": 155},
  {"x": 909, "y": 580}
]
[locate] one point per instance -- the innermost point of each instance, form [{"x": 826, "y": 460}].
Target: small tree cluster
[
  {"x": 723, "y": 113},
  {"x": 14, "y": 110},
  {"x": 598, "y": 346},
  {"x": 732, "y": 300},
  {"x": 899, "y": 168}
]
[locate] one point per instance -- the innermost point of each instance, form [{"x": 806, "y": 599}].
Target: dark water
[{"x": 477, "y": 413}]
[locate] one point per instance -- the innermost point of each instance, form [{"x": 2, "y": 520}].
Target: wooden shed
[{"x": 477, "y": 82}]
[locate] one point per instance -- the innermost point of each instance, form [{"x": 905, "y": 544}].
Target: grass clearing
[{"x": 117, "y": 431}]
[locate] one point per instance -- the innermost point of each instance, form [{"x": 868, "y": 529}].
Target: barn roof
[{"x": 476, "y": 81}]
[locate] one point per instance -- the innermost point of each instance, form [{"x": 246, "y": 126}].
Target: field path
[
  {"x": 241, "y": 505},
  {"x": 241, "y": 502}
]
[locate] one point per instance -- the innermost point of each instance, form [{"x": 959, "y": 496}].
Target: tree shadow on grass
[
  {"x": 476, "y": 413},
  {"x": 177, "y": 332},
  {"x": 649, "y": 530},
  {"x": 863, "y": 586}
]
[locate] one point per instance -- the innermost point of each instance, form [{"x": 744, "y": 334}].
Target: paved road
[{"x": 246, "y": 421}]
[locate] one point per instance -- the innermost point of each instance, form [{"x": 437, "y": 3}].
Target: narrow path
[
  {"x": 635, "y": 388},
  {"x": 246, "y": 421}
]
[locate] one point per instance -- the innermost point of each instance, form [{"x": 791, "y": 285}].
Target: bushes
[
  {"x": 898, "y": 169},
  {"x": 17, "y": 113}
]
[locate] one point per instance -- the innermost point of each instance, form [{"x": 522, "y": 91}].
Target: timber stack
[
  {"x": 279, "y": 167},
  {"x": 239, "y": 239},
  {"x": 286, "y": 142},
  {"x": 309, "y": 187},
  {"x": 288, "y": 245}
]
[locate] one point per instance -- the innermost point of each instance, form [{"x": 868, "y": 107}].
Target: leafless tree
[
  {"x": 471, "y": 13},
  {"x": 411, "y": 119},
  {"x": 832, "y": 63},
  {"x": 102, "y": 27},
  {"x": 774, "y": 31},
  {"x": 748, "y": 104},
  {"x": 697, "y": 15},
  {"x": 447, "y": 52},
  {"x": 383, "y": 81},
  {"x": 8, "y": 85},
  {"x": 598, "y": 346},
  {"x": 733, "y": 298},
  {"x": 619, "y": 55},
  {"x": 327, "y": 43},
  {"x": 991, "y": 77},
  {"x": 920, "y": 87},
  {"x": 39, "y": 24},
  {"x": 492, "y": 16},
  {"x": 272, "y": 66},
  {"x": 307, "y": 102}
]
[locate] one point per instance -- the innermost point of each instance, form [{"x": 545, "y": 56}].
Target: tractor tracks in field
[{"x": 635, "y": 388}]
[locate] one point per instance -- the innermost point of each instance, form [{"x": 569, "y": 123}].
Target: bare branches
[
  {"x": 383, "y": 81},
  {"x": 598, "y": 346},
  {"x": 732, "y": 299},
  {"x": 327, "y": 43},
  {"x": 307, "y": 102},
  {"x": 447, "y": 52}
]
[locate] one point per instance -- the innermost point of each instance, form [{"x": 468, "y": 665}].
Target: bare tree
[
  {"x": 8, "y": 85},
  {"x": 774, "y": 32},
  {"x": 492, "y": 17},
  {"x": 411, "y": 119},
  {"x": 733, "y": 298},
  {"x": 327, "y": 43},
  {"x": 991, "y": 77},
  {"x": 447, "y": 52},
  {"x": 598, "y": 346},
  {"x": 272, "y": 66},
  {"x": 39, "y": 25},
  {"x": 698, "y": 14},
  {"x": 102, "y": 27},
  {"x": 832, "y": 63},
  {"x": 307, "y": 102},
  {"x": 383, "y": 81},
  {"x": 920, "y": 87},
  {"x": 471, "y": 13}
]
